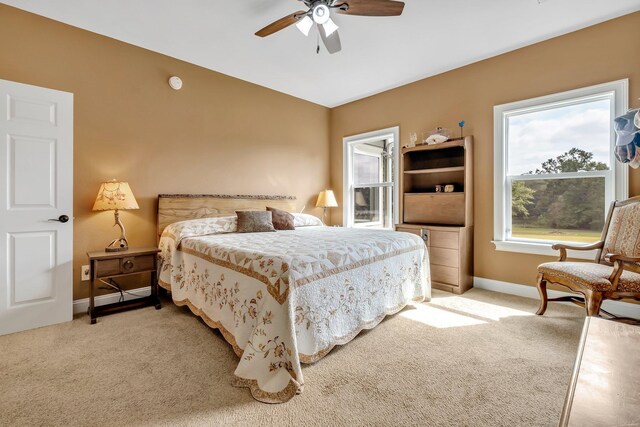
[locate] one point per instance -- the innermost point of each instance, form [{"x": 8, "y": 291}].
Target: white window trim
[
  {"x": 620, "y": 91},
  {"x": 373, "y": 224},
  {"x": 392, "y": 134}
]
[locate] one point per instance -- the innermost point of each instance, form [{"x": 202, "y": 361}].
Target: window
[
  {"x": 555, "y": 169},
  {"x": 370, "y": 176}
]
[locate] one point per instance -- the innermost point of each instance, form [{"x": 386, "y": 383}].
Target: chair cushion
[
  {"x": 589, "y": 275},
  {"x": 623, "y": 235}
]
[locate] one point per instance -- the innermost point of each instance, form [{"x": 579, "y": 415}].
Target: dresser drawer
[
  {"x": 420, "y": 232},
  {"x": 445, "y": 257},
  {"x": 442, "y": 274},
  {"x": 107, "y": 267},
  {"x": 137, "y": 264},
  {"x": 443, "y": 239},
  {"x": 416, "y": 231},
  {"x": 126, "y": 265}
]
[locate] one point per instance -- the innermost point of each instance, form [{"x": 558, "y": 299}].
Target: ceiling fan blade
[
  {"x": 280, "y": 24},
  {"x": 332, "y": 42},
  {"x": 373, "y": 8}
]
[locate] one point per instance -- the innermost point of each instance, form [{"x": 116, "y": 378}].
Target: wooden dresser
[
  {"x": 450, "y": 255},
  {"x": 444, "y": 220}
]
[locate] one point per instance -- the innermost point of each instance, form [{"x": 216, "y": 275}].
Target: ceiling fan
[{"x": 319, "y": 13}]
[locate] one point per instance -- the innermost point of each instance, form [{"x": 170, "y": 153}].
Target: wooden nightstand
[{"x": 109, "y": 265}]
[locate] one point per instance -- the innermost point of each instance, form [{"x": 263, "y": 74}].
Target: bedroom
[{"x": 457, "y": 360}]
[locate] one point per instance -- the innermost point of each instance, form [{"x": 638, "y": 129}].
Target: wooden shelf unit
[
  {"x": 436, "y": 170},
  {"x": 443, "y": 220}
]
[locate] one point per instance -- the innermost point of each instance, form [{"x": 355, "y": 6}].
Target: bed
[{"x": 288, "y": 297}]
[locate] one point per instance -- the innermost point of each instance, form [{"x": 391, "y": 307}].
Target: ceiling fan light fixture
[
  {"x": 330, "y": 27},
  {"x": 321, "y": 14},
  {"x": 304, "y": 25},
  {"x": 318, "y": 13}
]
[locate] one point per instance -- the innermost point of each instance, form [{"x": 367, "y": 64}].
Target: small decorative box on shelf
[{"x": 105, "y": 266}]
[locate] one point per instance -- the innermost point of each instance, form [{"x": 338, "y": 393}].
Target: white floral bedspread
[{"x": 286, "y": 298}]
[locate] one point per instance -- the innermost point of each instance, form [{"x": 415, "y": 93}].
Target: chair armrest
[
  {"x": 618, "y": 266},
  {"x": 622, "y": 258},
  {"x": 563, "y": 248}
]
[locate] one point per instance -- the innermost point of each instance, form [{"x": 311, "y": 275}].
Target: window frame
[
  {"x": 380, "y": 184},
  {"x": 616, "y": 178},
  {"x": 393, "y": 136}
]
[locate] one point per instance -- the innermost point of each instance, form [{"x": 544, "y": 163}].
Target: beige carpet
[{"x": 481, "y": 359}]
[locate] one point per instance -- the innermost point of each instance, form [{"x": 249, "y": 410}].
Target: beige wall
[
  {"x": 217, "y": 135},
  {"x": 222, "y": 135},
  {"x": 602, "y": 53}
]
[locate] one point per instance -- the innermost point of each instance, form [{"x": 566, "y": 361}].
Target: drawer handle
[{"x": 127, "y": 265}]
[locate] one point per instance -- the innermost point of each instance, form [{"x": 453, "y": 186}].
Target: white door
[{"x": 36, "y": 186}]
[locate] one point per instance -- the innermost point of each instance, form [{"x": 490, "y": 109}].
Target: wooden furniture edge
[
  {"x": 181, "y": 207},
  {"x": 147, "y": 250},
  {"x": 566, "y": 409},
  {"x": 225, "y": 196},
  {"x": 454, "y": 142},
  {"x": 571, "y": 389}
]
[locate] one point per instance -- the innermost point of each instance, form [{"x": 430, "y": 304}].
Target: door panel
[
  {"x": 31, "y": 172},
  {"x": 31, "y": 263},
  {"x": 36, "y": 185},
  {"x": 31, "y": 109}
]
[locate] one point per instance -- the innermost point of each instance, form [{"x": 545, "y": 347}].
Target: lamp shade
[
  {"x": 114, "y": 195},
  {"x": 326, "y": 199}
]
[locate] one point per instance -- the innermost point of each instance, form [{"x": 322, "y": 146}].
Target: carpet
[{"x": 479, "y": 359}]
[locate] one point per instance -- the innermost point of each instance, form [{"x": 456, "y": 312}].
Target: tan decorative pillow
[
  {"x": 282, "y": 220},
  {"x": 254, "y": 221}
]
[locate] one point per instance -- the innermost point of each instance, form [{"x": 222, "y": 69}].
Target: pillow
[
  {"x": 200, "y": 227},
  {"x": 306, "y": 220},
  {"x": 254, "y": 221},
  {"x": 282, "y": 220}
]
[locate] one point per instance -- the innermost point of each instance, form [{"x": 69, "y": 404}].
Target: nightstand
[{"x": 109, "y": 265}]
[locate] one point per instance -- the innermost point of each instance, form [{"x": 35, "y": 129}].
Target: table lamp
[
  {"x": 326, "y": 199},
  {"x": 114, "y": 195}
]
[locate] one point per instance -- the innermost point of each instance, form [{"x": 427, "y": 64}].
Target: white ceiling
[{"x": 431, "y": 36}]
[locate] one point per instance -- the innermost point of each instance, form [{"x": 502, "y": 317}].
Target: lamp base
[
  {"x": 110, "y": 249},
  {"x": 118, "y": 245}
]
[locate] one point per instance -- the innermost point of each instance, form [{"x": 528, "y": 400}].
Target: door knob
[{"x": 61, "y": 218}]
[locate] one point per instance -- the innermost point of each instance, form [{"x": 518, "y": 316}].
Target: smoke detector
[{"x": 175, "y": 83}]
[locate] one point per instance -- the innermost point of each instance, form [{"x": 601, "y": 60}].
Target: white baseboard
[
  {"x": 82, "y": 305},
  {"x": 618, "y": 308}
]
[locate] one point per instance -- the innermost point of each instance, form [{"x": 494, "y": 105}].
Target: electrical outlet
[{"x": 85, "y": 273}]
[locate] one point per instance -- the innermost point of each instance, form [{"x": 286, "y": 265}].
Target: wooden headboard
[{"x": 180, "y": 207}]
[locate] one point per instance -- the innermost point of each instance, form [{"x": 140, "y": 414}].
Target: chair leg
[
  {"x": 542, "y": 290},
  {"x": 593, "y": 301}
]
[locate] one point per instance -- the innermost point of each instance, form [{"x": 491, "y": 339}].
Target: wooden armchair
[{"x": 614, "y": 274}]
